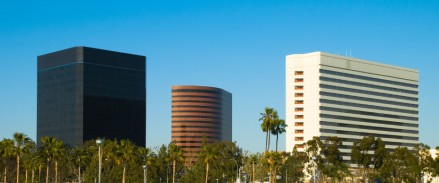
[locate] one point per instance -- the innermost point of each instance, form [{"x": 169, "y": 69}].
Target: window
[
  {"x": 298, "y": 87},
  {"x": 298, "y": 109},
  {"x": 298, "y": 102},
  {"x": 298, "y": 80},
  {"x": 299, "y": 145},
  {"x": 298, "y": 131},
  {"x": 298, "y": 124},
  {"x": 298, "y": 94},
  {"x": 298, "y": 73},
  {"x": 298, "y": 117},
  {"x": 298, "y": 139}
]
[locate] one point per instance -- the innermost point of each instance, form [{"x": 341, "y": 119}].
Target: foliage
[
  {"x": 52, "y": 150},
  {"x": 397, "y": 166},
  {"x": 368, "y": 154},
  {"x": 6, "y": 155},
  {"x": 272, "y": 160},
  {"x": 278, "y": 127},
  {"x": 176, "y": 158},
  {"x": 325, "y": 157},
  {"x": 20, "y": 147},
  {"x": 293, "y": 166},
  {"x": 268, "y": 118},
  {"x": 218, "y": 161}
]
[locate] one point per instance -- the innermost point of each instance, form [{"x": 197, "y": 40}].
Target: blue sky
[{"x": 239, "y": 46}]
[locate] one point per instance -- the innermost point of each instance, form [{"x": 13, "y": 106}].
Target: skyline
[{"x": 248, "y": 40}]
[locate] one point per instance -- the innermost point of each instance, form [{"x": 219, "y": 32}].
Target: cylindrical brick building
[{"x": 200, "y": 113}]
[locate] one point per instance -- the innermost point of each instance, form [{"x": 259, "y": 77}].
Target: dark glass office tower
[{"x": 85, "y": 93}]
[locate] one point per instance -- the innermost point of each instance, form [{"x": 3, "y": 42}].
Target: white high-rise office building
[{"x": 331, "y": 95}]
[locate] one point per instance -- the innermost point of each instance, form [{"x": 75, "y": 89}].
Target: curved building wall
[{"x": 200, "y": 114}]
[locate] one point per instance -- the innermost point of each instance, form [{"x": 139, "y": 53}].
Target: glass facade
[{"x": 86, "y": 93}]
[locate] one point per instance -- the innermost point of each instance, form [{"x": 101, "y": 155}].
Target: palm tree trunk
[
  {"x": 56, "y": 171},
  {"x": 271, "y": 175},
  {"x": 18, "y": 168},
  {"x": 4, "y": 178},
  {"x": 269, "y": 139},
  {"x": 173, "y": 172},
  {"x": 277, "y": 140},
  {"x": 32, "y": 177},
  {"x": 39, "y": 173},
  {"x": 123, "y": 175},
  {"x": 253, "y": 174},
  {"x": 47, "y": 173},
  {"x": 266, "y": 142},
  {"x": 79, "y": 174},
  {"x": 25, "y": 180},
  {"x": 207, "y": 171},
  {"x": 364, "y": 174}
]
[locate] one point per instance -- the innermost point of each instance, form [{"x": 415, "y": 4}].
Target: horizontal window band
[
  {"x": 190, "y": 146},
  {"x": 326, "y": 101},
  {"x": 386, "y": 143},
  {"x": 197, "y": 131},
  {"x": 368, "y": 127},
  {"x": 367, "y": 78},
  {"x": 202, "y": 122},
  {"x": 366, "y": 99},
  {"x": 216, "y": 127},
  {"x": 367, "y": 134},
  {"x": 195, "y": 96},
  {"x": 196, "y": 106},
  {"x": 322, "y": 78},
  {"x": 368, "y": 120},
  {"x": 207, "y": 117},
  {"x": 194, "y": 111},
  {"x": 183, "y": 136},
  {"x": 176, "y": 141},
  {"x": 196, "y": 91},
  {"x": 367, "y": 113},
  {"x": 197, "y": 101},
  {"x": 339, "y": 88}
]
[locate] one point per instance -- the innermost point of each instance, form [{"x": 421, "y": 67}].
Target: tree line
[{"x": 122, "y": 161}]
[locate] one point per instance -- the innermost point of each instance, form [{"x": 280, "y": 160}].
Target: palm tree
[
  {"x": 208, "y": 154},
  {"x": 273, "y": 159},
  {"x": 6, "y": 152},
  {"x": 80, "y": 158},
  {"x": 146, "y": 156},
  {"x": 267, "y": 118},
  {"x": 52, "y": 149},
  {"x": 253, "y": 159},
  {"x": 124, "y": 154},
  {"x": 38, "y": 163},
  {"x": 279, "y": 127},
  {"x": 29, "y": 158},
  {"x": 33, "y": 161},
  {"x": 20, "y": 141},
  {"x": 175, "y": 155}
]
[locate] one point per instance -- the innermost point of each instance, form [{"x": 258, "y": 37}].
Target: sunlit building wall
[{"x": 332, "y": 95}]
